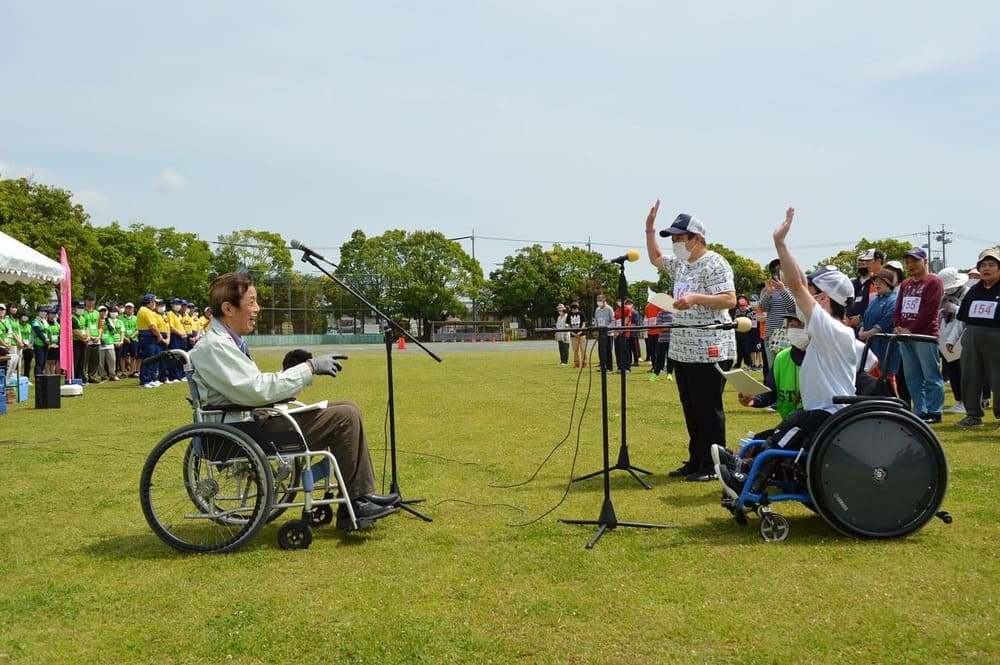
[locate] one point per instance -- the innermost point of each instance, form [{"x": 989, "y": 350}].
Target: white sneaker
[
  {"x": 154, "y": 384},
  {"x": 957, "y": 408},
  {"x": 147, "y": 385}
]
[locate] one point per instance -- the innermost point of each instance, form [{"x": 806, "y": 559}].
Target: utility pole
[{"x": 943, "y": 237}]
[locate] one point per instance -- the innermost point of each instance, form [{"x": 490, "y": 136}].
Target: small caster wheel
[
  {"x": 773, "y": 527},
  {"x": 944, "y": 516},
  {"x": 321, "y": 515},
  {"x": 295, "y": 535},
  {"x": 740, "y": 517}
]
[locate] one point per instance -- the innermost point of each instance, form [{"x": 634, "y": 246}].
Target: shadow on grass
[{"x": 148, "y": 547}]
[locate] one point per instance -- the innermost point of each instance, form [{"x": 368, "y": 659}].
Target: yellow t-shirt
[
  {"x": 174, "y": 321},
  {"x": 147, "y": 319}
]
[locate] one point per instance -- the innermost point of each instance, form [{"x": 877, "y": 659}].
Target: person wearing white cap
[
  {"x": 950, "y": 341},
  {"x": 916, "y": 313},
  {"x": 980, "y": 311},
  {"x": 562, "y": 338},
  {"x": 869, "y": 265},
  {"x": 704, "y": 292},
  {"x": 130, "y": 342},
  {"x": 828, "y": 369}
]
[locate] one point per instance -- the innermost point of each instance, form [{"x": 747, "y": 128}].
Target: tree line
[{"x": 414, "y": 275}]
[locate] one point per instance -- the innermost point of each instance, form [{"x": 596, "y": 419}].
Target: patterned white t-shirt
[{"x": 711, "y": 274}]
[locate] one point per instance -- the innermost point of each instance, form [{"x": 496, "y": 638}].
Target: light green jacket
[{"x": 224, "y": 375}]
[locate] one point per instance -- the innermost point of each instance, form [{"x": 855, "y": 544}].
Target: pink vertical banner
[{"x": 65, "y": 312}]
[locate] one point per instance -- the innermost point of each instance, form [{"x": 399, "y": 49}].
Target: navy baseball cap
[
  {"x": 918, "y": 253},
  {"x": 684, "y": 224},
  {"x": 149, "y": 297}
]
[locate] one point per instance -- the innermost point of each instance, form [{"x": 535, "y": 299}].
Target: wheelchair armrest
[{"x": 230, "y": 408}]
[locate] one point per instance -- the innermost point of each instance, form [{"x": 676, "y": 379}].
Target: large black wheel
[
  {"x": 876, "y": 472},
  {"x": 206, "y": 487}
]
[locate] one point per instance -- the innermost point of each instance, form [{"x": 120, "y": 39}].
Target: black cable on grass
[
  {"x": 569, "y": 430},
  {"x": 481, "y": 505},
  {"x": 534, "y": 475},
  {"x": 576, "y": 451}
]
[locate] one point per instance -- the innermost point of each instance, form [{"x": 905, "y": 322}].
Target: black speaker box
[{"x": 47, "y": 391}]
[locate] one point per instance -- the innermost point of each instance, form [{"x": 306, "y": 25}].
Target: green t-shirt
[
  {"x": 786, "y": 383},
  {"x": 130, "y": 326}
]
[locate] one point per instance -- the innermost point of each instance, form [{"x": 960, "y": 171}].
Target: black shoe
[
  {"x": 365, "y": 512},
  {"x": 681, "y": 471},
  {"x": 701, "y": 476},
  {"x": 383, "y": 499},
  {"x": 931, "y": 418},
  {"x": 732, "y": 481}
]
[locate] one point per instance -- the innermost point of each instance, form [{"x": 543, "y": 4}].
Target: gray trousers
[
  {"x": 980, "y": 363},
  {"x": 339, "y": 429}
]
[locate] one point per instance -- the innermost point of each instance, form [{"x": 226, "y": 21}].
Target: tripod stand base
[
  {"x": 631, "y": 469},
  {"x": 608, "y": 521},
  {"x": 404, "y": 504},
  {"x": 623, "y": 464}
]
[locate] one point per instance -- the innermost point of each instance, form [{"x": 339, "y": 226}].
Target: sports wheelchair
[
  {"x": 211, "y": 485},
  {"x": 873, "y": 469}
]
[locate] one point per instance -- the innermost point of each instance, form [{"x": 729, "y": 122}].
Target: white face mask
[
  {"x": 681, "y": 251},
  {"x": 799, "y": 338},
  {"x": 113, "y": 315},
  {"x": 161, "y": 309},
  {"x": 79, "y": 311},
  {"x": 176, "y": 308}
]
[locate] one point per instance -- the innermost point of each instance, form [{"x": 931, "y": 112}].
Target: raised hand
[
  {"x": 782, "y": 231},
  {"x": 651, "y": 217}
]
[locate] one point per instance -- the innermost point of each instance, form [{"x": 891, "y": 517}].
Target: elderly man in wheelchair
[
  {"x": 867, "y": 465},
  {"x": 247, "y": 454}
]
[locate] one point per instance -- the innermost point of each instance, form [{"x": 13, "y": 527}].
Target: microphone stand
[
  {"x": 623, "y": 463},
  {"x": 607, "y": 519},
  {"x": 387, "y": 331}
]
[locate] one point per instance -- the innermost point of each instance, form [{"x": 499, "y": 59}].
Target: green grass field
[{"x": 85, "y": 580}]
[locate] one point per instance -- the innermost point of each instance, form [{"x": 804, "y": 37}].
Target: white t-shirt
[
  {"x": 711, "y": 274},
  {"x": 828, "y": 368},
  {"x": 859, "y": 351}
]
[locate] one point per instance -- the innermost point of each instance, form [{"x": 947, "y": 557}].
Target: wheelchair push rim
[
  {"x": 876, "y": 473},
  {"x": 206, "y": 488}
]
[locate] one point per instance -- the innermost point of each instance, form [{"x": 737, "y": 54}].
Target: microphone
[
  {"x": 308, "y": 252},
  {"x": 741, "y": 324},
  {"x": 630, "y": 255}
]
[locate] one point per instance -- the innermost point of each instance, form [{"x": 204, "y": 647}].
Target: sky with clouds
[{"x": 514, "y": 121}]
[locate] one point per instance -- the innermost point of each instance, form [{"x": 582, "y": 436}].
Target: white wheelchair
[{"x": 210, "y": 486}]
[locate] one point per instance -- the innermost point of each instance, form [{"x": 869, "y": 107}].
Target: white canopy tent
[{"x": 20, "y": 264}]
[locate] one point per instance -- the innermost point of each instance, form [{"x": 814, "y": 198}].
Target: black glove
[{"x": 327, "y": 365}]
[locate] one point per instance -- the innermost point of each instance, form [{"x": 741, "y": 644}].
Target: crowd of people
[
  {"x": 109, "y": 340},
  {"x": 954, "y": 313}
]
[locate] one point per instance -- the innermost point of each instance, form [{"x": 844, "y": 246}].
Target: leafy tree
[
  {"x": 46, "y": 219},
  {"x": 748, "y": 275},
  {"x": 846, "y": 259},
  {"x": 421, "y": 275},
  {"x": 263, "y": 253}
]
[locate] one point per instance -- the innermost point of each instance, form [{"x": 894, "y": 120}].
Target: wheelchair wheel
[
  {"x": 876, "y": 472},
  {"x": 295, "y": 535},
  {"x": 206, "y": 488}
]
